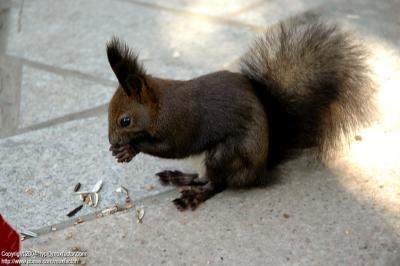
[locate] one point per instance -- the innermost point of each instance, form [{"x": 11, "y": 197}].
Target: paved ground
[{"x": 55, "y": 85}]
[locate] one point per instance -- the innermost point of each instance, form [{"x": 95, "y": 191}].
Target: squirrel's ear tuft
[{"x": 124, "y": 62}]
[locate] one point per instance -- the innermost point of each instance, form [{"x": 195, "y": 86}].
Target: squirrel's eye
[{"x": 125, "y": 121}]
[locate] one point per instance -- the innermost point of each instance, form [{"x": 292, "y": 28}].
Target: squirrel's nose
[
  {"x": 110, "y": 140},
  {"x": 117, "y": 140},
  {"x": 113, "y": 140},
  {"x": 112, "y": 137}
]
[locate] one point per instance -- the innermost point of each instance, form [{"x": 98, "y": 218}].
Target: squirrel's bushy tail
[{"x": 314, "y": 83}]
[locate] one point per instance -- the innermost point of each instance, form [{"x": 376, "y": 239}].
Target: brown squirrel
[{"x": 301, "y": 85}]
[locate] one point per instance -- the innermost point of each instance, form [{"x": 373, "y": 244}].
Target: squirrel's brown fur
[{"x": 301, "y": 85}]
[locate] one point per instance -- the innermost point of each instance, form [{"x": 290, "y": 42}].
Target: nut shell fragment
[
  {"x": 139, "y": 215},
  {"x": 95, "y": 200},
  {"x": 77, "y": 187},
  {"x": 110, "y": 210},
  {"x": 78, "y": 221},
  {"x": 75, "y": 211},
  {"x": 98, "y": 186},
  {"x": 122, "y": 189}
]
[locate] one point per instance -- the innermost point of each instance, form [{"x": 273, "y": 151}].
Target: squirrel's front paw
[{"x": 124, "y": 153}]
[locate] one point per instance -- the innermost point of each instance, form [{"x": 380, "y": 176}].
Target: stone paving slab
[
  {"x": 370, "y": 18},
  {"x": 311, "y": 215},
  {"x": 271, "y": 12},
  {"x": 207, "y": 7},
  {"x": 45, "y": 96},
  {"x": 186, "y": 46},
  {"x": 39, "y": 170}
]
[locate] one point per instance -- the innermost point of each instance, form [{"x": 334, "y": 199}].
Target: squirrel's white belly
[{"x": 197, "y": 162}]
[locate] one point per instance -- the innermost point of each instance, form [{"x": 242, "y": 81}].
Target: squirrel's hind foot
[{"x": 192, "y": 197}]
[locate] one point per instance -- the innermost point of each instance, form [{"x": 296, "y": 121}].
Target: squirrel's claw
[
  {"x": 123, "y": 153},
  {"x": 125, "y": 157}
]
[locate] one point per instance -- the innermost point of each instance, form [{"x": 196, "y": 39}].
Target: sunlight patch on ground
[{"x": 372, "y": 164}]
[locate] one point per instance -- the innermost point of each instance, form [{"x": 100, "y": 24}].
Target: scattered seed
[
  {"x": 286, "y": 216},
  {"x": 124, "y": 190},
  {"x": 78, "y": 221},
  {"x": 358, "y": 138},
  {"x": 139, "y": 215},
  {"x": 29, "y": 191},
  {"x": 87, "y": 199},
  {"x": 98, "y": 186},
  {"x": 75, "y": 249},
  {"x": 83, "y": 193},
  {"x": 84, "y": 196},
  {"x": 150, "y": 187},
  {"x": 53, "y": 229},
  {"x": 27, "y": 233},
  {"x": 75, "y": 211},
  {"x": 95, "y": 200},
  {"x": 77, "y": 187},
  {"x": 110, "y": 210}
]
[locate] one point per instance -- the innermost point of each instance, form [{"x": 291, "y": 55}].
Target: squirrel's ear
[
  {"x": 115, "y": 51},
  {"x": 134, "y": 85},
  {"x": 129, "y": 72}
]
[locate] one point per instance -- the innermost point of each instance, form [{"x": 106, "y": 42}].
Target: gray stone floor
[{"x": 54, "y": 89}]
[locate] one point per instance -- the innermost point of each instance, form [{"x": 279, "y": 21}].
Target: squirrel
[{"x": 300, "y": 86}]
